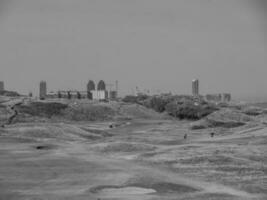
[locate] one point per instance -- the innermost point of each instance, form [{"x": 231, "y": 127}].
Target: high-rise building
[
  {"x": 2, "y": 86},
  {"x": 101, "y": 85},
  {"x": 195, "y": 87},
  {"x": 90, "y": 86},
  {"x": 43, "y": 90}
]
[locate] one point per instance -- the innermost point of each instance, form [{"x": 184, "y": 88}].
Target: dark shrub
[
  {"x": 189, "y": 110},
  {"x": 9, "y": 93},
  {"x": 180, "y": 106},
  {"x": 135, "y": 99},
  {"x": 130, "y": 99},
  {"x": 253, "y": 111},
  {"x": 45, "y": 109},
  {"x": 157, "y": 103},
  {"x": 89, "y": 113}
]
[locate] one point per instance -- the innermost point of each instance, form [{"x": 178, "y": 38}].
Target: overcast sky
[{"x": 153, "y": 44}]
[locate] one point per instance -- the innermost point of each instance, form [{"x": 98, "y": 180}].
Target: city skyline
[{"x": 154, "y": 45}]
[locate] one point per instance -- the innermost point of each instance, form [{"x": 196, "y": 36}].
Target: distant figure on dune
[
  {"x": 212, "y": 134},
  {"x": 185, "y": 136}
]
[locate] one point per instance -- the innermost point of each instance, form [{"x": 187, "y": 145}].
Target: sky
[{"x": 159, "y": 45}]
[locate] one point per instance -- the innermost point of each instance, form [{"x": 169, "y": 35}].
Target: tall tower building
[
  {"x": 90, "y": 88},
  {"x": 2, "y": 86},
  {"x": 195, "y": 87},
  {"x": 43, "y": 90},
  {"x": 101, "y": 85}
]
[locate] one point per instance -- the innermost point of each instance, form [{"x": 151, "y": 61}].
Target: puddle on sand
[
  {"x": 142, "y": 190},
  {"x": 127, "y": 191}
]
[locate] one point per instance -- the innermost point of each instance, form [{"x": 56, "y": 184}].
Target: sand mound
[
  {"x": 253, "y": 110},
  {"x": 42, "y": 109},
  {"x": 226, "y": 118},
  {"x": 80, "y": 110},
  {"x": 99, "y": 111},
  {"x": 124, "y": 147},
  {"x": 89, "y": 112},
  {"x": 51, "y": 131},
  {"x": 138, "y": 111}
]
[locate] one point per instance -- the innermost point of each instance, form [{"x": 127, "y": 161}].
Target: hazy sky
[{"x": 152, "y": 44}]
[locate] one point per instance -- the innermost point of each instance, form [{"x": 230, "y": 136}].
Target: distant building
[
  {"x": 73, "y": 94},
  {"x": 220, "y": 97},
  {"x": 43, "y": 90},
  {"x": 214, "y": 97},
  {"x": 52, "y": 95},
  {"x": 90, "y": 86},
  {"x": 67, "y": 94},
  {"x": 101, "y": 85},
  {"x": 62, "y": 94},
  {"x": 113, "y": 95},
  {"x": 195, "y": 87},
  {"x": 2, "y": 86},
  {"x": 78, "y": 94},
  {"x": 84, "y": 94},
  {"x": 99, "y": 94},
  {"x": 90, "y": 95},
  {"x": 91, "y": 92}
]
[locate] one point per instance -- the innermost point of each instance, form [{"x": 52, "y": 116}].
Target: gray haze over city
[{"x": 160, "y": 45}]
